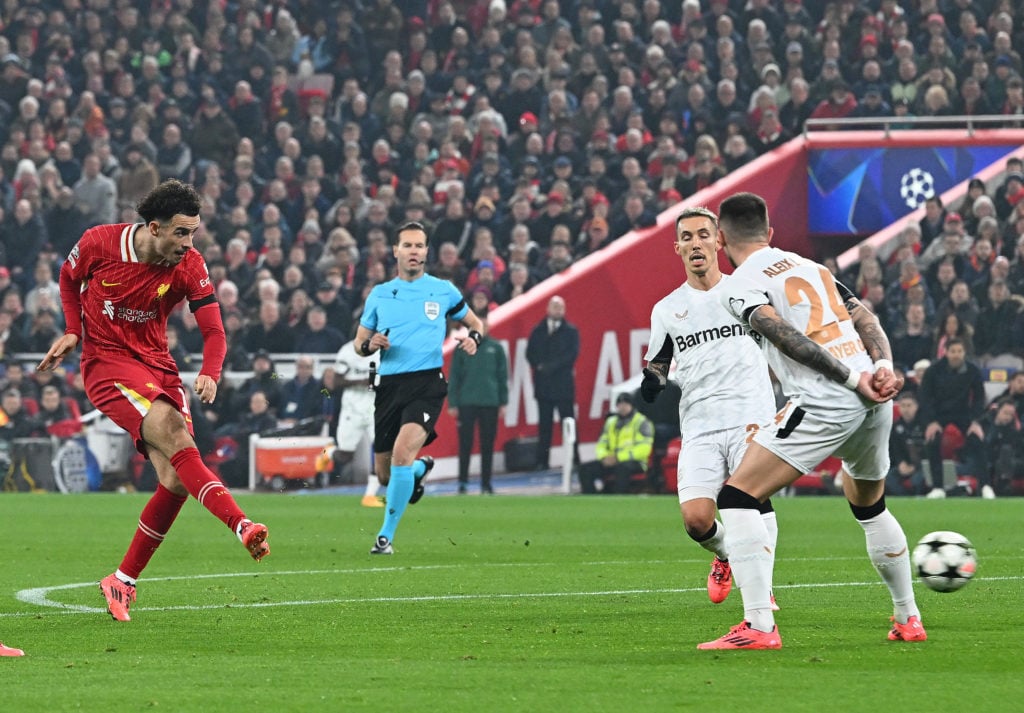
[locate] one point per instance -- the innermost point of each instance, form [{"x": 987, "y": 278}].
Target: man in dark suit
[{"x": 552, "y": 350}]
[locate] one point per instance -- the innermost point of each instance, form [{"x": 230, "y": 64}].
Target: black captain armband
[
  {"x": 475, "y": 336},
  {"x": 194, "y": 305}
]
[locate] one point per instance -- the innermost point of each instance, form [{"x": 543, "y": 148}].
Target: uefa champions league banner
[{"x": 864, "y": 189}]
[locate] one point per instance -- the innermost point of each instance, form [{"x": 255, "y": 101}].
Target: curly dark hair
[{"x": 170, "y": 198}]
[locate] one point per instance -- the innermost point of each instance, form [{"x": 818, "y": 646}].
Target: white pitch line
[{"x": 40, "y": 596}]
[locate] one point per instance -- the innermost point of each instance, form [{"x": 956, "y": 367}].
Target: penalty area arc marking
[{"x": 40, "y": 596}]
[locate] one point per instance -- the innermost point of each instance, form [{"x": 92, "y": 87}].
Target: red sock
[
  {"x": 156, "y": 519},
  {"x": 206, "y": 487}
]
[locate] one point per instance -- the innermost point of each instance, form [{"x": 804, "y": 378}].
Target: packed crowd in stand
[{"x": 525, "y": 135}]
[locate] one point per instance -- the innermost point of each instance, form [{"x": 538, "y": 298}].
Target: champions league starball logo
[
  {"x": 864, "y": 189},
  {"x": 916, "y": 186}
]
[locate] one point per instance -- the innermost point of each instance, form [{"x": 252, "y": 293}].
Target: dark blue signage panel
[{"x": 863, "y": 190}]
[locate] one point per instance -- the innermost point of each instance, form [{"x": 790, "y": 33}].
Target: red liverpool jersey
[{"x": 124, "y": 303}]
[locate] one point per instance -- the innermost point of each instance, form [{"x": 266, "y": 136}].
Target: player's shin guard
[
  {"x": 399, "y": 490},
  {"x": 888, "y": 551},
  {"x": 154, "y": 522},
  {"x": 750, "y": 554},
  {"x": 206, "y": 487}
]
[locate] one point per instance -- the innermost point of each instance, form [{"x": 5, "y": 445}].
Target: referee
[{"x": 406, "y": 320}]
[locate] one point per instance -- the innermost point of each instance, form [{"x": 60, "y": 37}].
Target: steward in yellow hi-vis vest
[{"x": 622, "y": 450}]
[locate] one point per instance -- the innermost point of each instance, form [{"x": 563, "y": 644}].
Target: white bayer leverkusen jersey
[
  {"x": 806, "y": 295},
  {"x": 349, "y": 365},
  {"x": 719, "y": 367}
]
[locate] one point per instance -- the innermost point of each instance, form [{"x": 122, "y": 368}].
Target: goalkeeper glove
[{"x": 652, "y": 385}]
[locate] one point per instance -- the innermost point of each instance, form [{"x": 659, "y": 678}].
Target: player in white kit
[
  {"x": 726, "y": 391},
  {"x": 834, "y": 363},
  {"x": 355, "y": 421}
]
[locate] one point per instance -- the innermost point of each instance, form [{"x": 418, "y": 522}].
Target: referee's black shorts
[{"x": 413, "y": 397}]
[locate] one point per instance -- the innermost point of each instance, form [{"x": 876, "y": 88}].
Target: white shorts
[
  {"x": 804, "y": 440},
  {"x": 706, "y": 460},
  {"x": 354, "y": 424}
]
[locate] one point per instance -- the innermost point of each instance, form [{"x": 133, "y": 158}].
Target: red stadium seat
[
  {"x": 952, "y": 441},
  {"x": 72, "y": 406},
  {"x": 819, "y": 481},
  {"x": 30, "y": 405},
  {"x": 638, "y": 481},
  {"x": 669, "y": 464}
]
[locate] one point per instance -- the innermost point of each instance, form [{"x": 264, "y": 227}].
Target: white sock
[
  {"x": 372, "y": 485},
  {"x": 887, "y": 549},
  {"x": 772, "y": 524},
  {"x": 750, "y": 557},
  {"x": 716, "y": 543},
  {"x": 125, "y": 578}
]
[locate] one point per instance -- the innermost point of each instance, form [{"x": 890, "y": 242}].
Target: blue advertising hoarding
[{"x": 862, "y": 190}]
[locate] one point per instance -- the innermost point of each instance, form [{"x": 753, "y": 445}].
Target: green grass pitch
[{"x": 491, "y": 604}]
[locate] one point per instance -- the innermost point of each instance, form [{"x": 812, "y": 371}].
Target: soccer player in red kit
[{"x": 118, "y": 286}]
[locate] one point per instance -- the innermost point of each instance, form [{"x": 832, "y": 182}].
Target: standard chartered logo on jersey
[{"x": 126, "y": 314}]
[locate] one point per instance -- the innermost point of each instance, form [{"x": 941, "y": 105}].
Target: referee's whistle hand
[{"x": 467, "y": 344}]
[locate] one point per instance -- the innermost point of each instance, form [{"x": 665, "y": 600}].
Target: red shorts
[{"x": 124, "y": 391}]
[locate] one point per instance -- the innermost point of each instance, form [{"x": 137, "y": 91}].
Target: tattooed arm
[
  {"x": 795, "y": 344},
  {"x": 656, "y": 372},
  {"x": 875, "y": 341},
  {"x": 867, "y": 325},
  {"x": 660, "y": 368},
  {"x": 870, "y": 330}
]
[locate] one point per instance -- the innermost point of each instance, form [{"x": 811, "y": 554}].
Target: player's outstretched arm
[{"x": 62, "y": 346}]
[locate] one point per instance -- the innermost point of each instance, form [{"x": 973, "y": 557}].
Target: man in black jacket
[
  {"x": 1004, "y": 441},
  {"x": 551, "y": 350},
  {"x": 952, "y": 393},
  {"x": 906, "y": 449}
]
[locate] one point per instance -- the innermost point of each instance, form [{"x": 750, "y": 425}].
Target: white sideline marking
[{"x": 40, "y": 596}]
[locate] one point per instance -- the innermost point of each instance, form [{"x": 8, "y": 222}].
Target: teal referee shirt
[{"x": 415, "y": 315}]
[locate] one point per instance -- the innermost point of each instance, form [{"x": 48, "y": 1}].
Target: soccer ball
[
  {"x": 945, "y": 561},
  {"x": 916, "y": 187}
]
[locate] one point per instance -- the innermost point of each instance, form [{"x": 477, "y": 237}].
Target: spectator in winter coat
[{"x": 952, "y": 398}]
